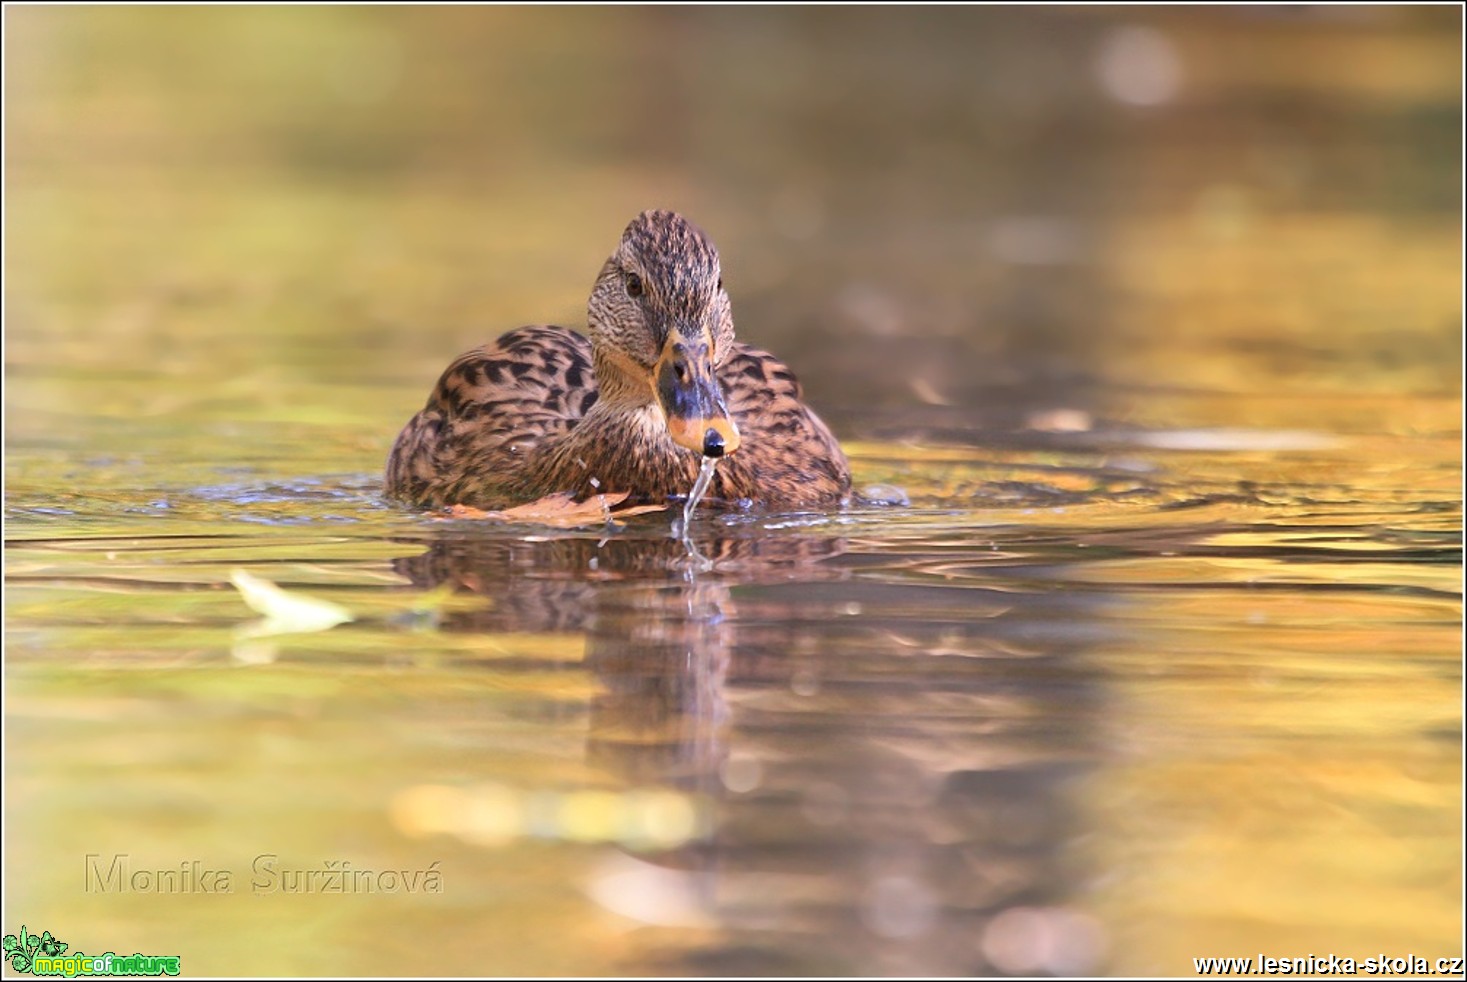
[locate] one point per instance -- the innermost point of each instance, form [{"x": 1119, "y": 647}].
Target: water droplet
[
  {"x": 741, "y": 773},
  {"x": 1138, "y": 65},
  {"x": 883, "y": 494},
  {"x": 899, "y": 907},
  {"x": 1025, "y": 940},
  {"x": 700, "y": 488}
]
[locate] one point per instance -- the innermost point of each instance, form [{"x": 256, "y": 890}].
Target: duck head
[{"x": 660, "y": 324}]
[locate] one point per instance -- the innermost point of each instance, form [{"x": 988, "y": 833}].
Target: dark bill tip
[{"x": 713, "y": 443}]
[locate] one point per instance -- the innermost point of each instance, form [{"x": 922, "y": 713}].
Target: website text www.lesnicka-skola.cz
[{"x": 1394, "y": 965}]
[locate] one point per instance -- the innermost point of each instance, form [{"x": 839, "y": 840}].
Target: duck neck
[
  {"x": 618, "y": 387},
  {"x": 626, "y": 410},
  {"x": 621, "y": 442}
]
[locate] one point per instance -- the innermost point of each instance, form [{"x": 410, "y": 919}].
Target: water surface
[{"x": 1160, "y": 658}]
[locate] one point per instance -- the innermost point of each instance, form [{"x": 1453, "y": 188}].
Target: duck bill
[{"x": 691, "y": 400}]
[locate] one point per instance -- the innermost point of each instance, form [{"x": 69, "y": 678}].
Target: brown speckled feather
[
  {"x": 789, "y": 456},
  {"x": 494, "y": 434},
  {"x": 545, "y": 409},
  {"x": 494, "y": 411}
]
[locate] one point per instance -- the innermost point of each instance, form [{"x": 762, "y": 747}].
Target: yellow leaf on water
[
  {"x": 443, "y": 596},
  {"x": 285, "y": 613},
  {"x": 560, "y": 509}
]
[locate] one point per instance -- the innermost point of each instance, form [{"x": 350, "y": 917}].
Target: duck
[{"x": 657, "y": 384}]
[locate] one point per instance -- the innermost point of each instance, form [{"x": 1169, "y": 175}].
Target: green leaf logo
[{"x": 21, "y": 950}]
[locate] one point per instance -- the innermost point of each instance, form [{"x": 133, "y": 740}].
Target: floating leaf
[
  {"x": 560, "y": 509},
  {"x": 443, "y": 596},
  {"x": 285, "y": 613}
]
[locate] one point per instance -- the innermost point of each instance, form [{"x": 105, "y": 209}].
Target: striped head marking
[{"x": 661, "y": 323}]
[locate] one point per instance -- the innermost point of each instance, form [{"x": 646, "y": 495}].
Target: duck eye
[{"x": 634, "y": 285}]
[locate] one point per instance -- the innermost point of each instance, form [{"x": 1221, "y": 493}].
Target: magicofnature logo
[
  {"x": 21, "y": 950},
  {"x": 45, "y": 955}
]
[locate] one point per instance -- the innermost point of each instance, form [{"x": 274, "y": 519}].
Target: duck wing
[
  {"x": 492, "y": 411},
  {"x": 788, "y": 456}
]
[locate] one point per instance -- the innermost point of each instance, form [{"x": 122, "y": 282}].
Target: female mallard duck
[{"x": 660, "y": 384}]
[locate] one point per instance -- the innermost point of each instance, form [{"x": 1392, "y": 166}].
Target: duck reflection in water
[
  {"x": 876, "y": 807},
  {"x": 658, "y": 618}
]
